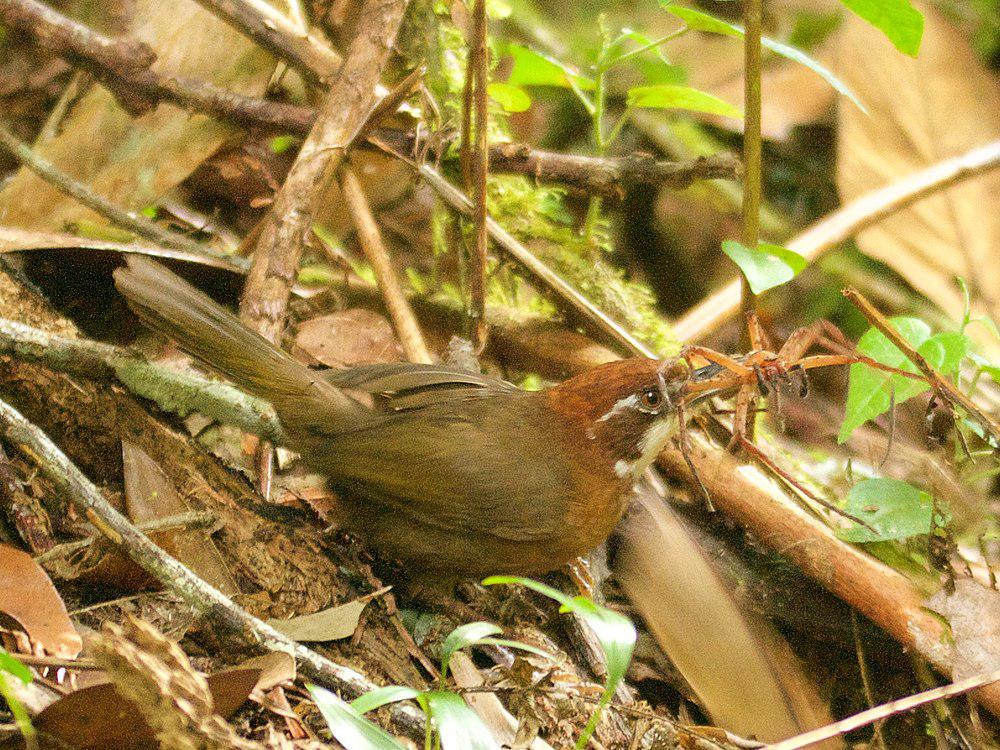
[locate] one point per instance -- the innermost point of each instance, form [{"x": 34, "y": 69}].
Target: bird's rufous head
[{"x": 628, "y": 408}]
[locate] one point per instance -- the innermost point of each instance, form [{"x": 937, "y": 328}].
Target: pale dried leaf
[
  {"x": 347, "y": 337},
  {"x": 329, "y": 624},
  {"x": 133, "y": 162},
  {"x": 922, "y": 111},
  {"x": 150, "y": 495},
  {"x": 739, "y": 666},
  {"x": 974, "y": 614},
  {"x": 16, "y": 239},
  {"x": 28, "y": 596}
]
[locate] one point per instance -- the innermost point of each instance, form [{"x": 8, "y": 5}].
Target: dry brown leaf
[
  {"x": 28, "y": 596},
  {"x": 154, "y": 670},
  {"x": 973, "y": 611},
  {"x": 923, "y": 110},
  {"x": 329, "y": 624},
  {"x": 133, "y": 162},
  {"x": 348, "y": 337},
  {"x": 149, "y": 495},
  {"x": 155, "y": 675},
  {"x": 741, "y": 669}
]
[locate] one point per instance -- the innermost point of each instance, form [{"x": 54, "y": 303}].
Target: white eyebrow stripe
[{"x": 629, "y": 402}]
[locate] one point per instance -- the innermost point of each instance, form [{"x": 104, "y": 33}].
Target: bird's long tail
[{"x": 215, "y": 336}]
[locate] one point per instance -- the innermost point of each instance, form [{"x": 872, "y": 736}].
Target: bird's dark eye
[{"x": 651, "y": 398}]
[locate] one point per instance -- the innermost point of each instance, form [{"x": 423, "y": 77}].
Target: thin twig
[
  {"x": 567, "y": 294},
  {"x": 609, "y": 176},
  {"x": 370, "y": 238},
  {"x": 174, "y": 575},
  {"x": 843, "y": 223},
  {"x": 886, "y": 709},
  {"x": 478, "y": 75},
  {"x": 189, "y": 520},
  {"x": 866, "y": 681},
  {"x": 309, "y": 54},
  {"x": 130, "y": 220},
  {"x": 345, "y": 110},
  {"x": 54, "y": 661},
  {"x": 753, "y": 174},
  {"x": 171, "y": 390},
  {"x": 942, "y": 386}
]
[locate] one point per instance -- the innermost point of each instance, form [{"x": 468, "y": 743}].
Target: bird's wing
[
  {"x": 405, "y": 386},
  {"x": 427, "y": 470}
]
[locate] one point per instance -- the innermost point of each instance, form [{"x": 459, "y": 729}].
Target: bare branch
[
  {"x": 177, "y": 577},
  {"x": 843, "y": 223},
  {"x": 345, "y": 110},
  {"x": 944, "y": 387},
  {"x": 308, "y": 53},
  {"x": 375, "y": 251}
]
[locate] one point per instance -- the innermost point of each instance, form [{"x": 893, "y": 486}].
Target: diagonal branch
[
  {"x": 129, "y": 220},
  {"x": 174, "y": 575},
  {"x": 944, "y": 387},
  {"x": 123, "y": 68},
  {"x": 830, "y": 231},
  {"x": 344, "y": 111},
  {"x": 310, "y": 55}
]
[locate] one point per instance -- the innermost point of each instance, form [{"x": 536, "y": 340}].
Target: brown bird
[{"x": 452, "y": 473}]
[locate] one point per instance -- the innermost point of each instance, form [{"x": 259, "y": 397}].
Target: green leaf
[
  {"x": 511, "y": 98},
  {"x": 281, "y": 143},
  {"x": 382, "y": 696},
  {"x": 535, "y": 69},
  {"x": 986, "y": 366},
  {"x": 655, "y": 71},
  {"x": 614, "y": 632},
  {"x": 703, "y": 22},
  {"x": 870, "y": 391},
  {"x": 12, "y": 666},
  {"x": 458, "y": 726},
  {"x": 508, "y": 643},
  {"x": 699, "y": 21},
  {"x": 467, "y": 635},
  {"x": 895, "y": 509},
  {"x": 150, "y": 212},
  {"x": 479, "y": 634},
  {"x": 897, "y": 19},
  {"x": 668, "y": 96},
  {"x": 351, "y": 730},
  {"x": 499, "y": 9},
  {"x": 766, "y": 267}
]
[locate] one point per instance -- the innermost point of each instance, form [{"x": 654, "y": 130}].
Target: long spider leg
[
  {"x": 684, "y": 446},
  {"x": 772, "y": 466}
]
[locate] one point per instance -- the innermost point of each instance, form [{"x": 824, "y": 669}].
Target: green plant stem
[
  {"x": 652, "y": 45},
  {"x": 20, "y": 714},
  {"x": 588, "y": 731},
  {"x": 752, "y": 13}
]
